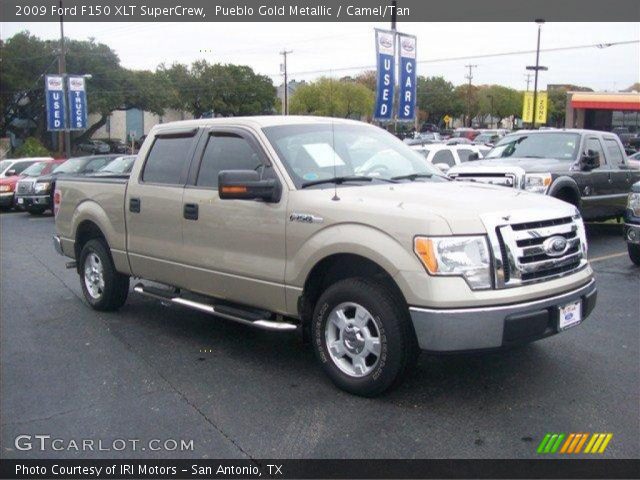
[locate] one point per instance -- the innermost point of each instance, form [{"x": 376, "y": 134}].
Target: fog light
[{"x": 632, "y": 235}]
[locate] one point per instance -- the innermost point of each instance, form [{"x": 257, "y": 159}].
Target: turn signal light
[
  {"x": 234, "y": 189},
  {"x": 424, "y": 249}
]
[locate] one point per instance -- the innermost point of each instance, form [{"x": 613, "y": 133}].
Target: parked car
[
  {"x": 116, "y": 146},
  {"x": 489, "y": 137},
  {"x": 634, "y": 160},
  {"x": 469, "y": 133},
  {"x": 10, "y": 171},
  {"x": 37, "y": 169},
  {"x": 93, "y": 147},
  {"x": 446, "y": 156},
  {"x": 632, "y": 224},
  {"x": 586, "y": 168},
  {"x": 371, "y": 267},
  {"x": 35, "y": 195},
  {"x": 624, "y": 134},
  {"x": 119, "y": 166},
  {"x": 424, "y": 138}
]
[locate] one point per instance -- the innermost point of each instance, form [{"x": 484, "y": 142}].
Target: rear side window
[
  {"x": 226, "y": 151},
  {"x": 97, "y": 164},
  {"x": 444, "y": 156},
  {"x": 464, "y": 154},
  {"x": 19, "y": 167},
  {"x": 168, "y": 160},
  {"x": 613, "y": 149}
]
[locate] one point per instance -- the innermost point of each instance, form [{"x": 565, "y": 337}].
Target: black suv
[{"x": 586, "y": 168}]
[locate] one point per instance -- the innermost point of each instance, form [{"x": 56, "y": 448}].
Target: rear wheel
[
  {"x": 634, "y": 252},
  {"x": 103, "y": 287},
  {"x": 363, "y": 337}
]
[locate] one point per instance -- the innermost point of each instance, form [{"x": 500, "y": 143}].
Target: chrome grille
[
  {"x": 25, "y": 187},
  {"x": 534, "y": 251},
  {"x": 504, "y": 180}
]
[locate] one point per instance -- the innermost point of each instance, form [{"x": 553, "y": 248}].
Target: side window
[
  {"x": 167, "y": 160},
  {"x": 464, "y": 153},
  {"x": 226, "y": 151},
  {"x": 444, "y": 156},
  {"x": 595, "y": 145},
  {"x": 613, "y": 149},
  {"x": 95, "y": 165},
  {"x": 20, "y": 166}
]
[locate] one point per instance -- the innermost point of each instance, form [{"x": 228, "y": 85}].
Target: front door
[{"x": 233, "y": 249}]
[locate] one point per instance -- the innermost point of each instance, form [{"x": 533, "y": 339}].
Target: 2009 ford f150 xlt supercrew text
[{"x": 297, "y": 222}]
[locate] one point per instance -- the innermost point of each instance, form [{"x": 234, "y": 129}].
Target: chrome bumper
[
  {"x": 57, "y": 244},
  {"x": 454, "y": 330}
]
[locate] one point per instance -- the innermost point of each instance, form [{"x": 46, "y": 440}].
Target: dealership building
[{"x": 603, "y": 110}]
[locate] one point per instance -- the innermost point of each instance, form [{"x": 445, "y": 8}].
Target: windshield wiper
[
  {"x": 412, "y": 176},
  {"x": 338, "y": 180},
  {"x": 532, "y": 156}
]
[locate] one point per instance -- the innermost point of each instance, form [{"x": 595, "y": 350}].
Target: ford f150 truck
[
  {"x": 586, "y": 168},
  {"x": 275, "y": 222}
]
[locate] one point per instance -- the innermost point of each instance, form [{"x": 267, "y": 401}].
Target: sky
[{"x": 334, "y": 49}]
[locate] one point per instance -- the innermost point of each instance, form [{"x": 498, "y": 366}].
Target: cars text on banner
[{"x": 407, "y": 101}]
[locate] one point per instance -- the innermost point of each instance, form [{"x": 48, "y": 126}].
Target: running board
[{"x": 169, "y": 296}]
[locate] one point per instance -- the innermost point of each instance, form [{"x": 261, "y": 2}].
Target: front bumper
[
  {"x": 6, "y": 199},
  {"x": 26, "y": 201},
  {"x": 464, "y": 329}
]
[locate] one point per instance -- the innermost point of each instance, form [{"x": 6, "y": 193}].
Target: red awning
[{"x": 606, "y": 101}]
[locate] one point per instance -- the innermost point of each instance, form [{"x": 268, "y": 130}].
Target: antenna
[{"x": 333, "y": 139}]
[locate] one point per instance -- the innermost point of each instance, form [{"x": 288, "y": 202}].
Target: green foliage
[
  {"x": 506, "y": 101},
  {"x": 31, "y": 148},
  {"x": 557, "y": 103},
  {"x": 436, "y": 97},
  {"x": 332, "y": 98}
]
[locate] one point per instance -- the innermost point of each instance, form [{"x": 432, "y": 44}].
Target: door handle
[
  {"x": 134, "y": 205},
  {"x": 190, "y": 211}
]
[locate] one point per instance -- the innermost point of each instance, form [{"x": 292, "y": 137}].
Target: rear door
[
  {"x": 153, "y": 208},
  {"x": 598, "y": 185},
  {"x": 621, "y": 173},
  {"x": 233, "y": 249}
]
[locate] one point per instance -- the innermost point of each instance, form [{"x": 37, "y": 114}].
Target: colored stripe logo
[{"x": 573, "y": 443}]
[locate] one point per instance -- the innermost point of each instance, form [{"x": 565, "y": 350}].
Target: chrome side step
[{"x": 169, "y": 296}]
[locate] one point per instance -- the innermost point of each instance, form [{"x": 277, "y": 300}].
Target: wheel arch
[{"x": 566, "y": 189}]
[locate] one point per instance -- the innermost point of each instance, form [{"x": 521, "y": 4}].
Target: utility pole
[
  {"x": 528, "y": 75},
  {"x": 469, "y": 77},
  {"x": 491, "y": 116},
  {"x": 536, "y": 69},
  {"x": 64, "y": 138},
  {"x": 285, "y": 107}
]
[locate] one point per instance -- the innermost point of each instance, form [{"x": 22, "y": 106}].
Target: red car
[
  {"x": 469, "y": 133},
  {"x": 8, "y": 184}
]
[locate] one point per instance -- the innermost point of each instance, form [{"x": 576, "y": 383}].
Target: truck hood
[
  {"x": 460, "y": 206},
  {"x": 529, "y": 165}
]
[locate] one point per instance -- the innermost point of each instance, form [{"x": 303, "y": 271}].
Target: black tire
[
  {"x": 634, "y": 253},
  {"x": 116, "y": 285},
  {"x": 398, "y": 345},
  {"x": 36, "y": 210}
]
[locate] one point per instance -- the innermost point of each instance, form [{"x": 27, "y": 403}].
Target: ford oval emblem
[{"x": 555, "y": 246}]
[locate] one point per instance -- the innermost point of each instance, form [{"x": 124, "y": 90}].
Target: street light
[
  {"x": 536, "y": 68},
  {"x": 491, "y": 116}
]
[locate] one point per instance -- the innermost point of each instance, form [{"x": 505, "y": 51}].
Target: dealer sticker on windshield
[{"x": 570, "y": 315}]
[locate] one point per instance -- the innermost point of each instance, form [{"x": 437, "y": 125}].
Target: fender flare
[{"x": 565, "y": 182}]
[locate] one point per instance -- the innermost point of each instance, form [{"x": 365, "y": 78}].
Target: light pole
[
  {"x": 536, "y": 69},
  {"x": 491, "y": 116}
]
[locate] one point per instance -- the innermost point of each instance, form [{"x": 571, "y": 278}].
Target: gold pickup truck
[{"x": 333, "y": 227}]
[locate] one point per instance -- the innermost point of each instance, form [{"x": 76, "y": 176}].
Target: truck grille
[
  {"x": 540, "y": 250},
  {"x": 504, "y": 179},
  {"x": 25, "y": 187}
]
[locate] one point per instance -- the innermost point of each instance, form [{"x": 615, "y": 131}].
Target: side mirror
[
  {"x": 589, "y": 161},
  {"x": 443, "y": 167},
  {"x": 473, "y": 156},
  {"x": 10, "y": 173},
  {"x": 247, "y": 185}
]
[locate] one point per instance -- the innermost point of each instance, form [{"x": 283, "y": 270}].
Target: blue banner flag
[
  {"x": 56, "y": 113},
  {"x": 385, "y": 58},
  {"x": 77, "y": 103},
  {"x": 407, "y": 103}
]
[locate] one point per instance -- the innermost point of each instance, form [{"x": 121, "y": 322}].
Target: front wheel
[
  {"x": 634, "y": 252},
  {"x": 363, "y": 337},
  {"x": 103, "y": 287}
]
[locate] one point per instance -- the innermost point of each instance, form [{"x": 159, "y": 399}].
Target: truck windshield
[
  {"x": 35, "y": 170},
  {"x": 319, "y": 151},
  {"x": 560, "y": 145}
]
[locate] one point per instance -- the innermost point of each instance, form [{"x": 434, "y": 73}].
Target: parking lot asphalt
[{"x": 153, "y": 372}]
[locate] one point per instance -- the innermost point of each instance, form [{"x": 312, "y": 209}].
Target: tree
[
  {"x": 435, "y": 97},
  {"x": 332, "y": 98},
  {"x": 557, "y": 102},
  {"x": 467, "y": 100},
  {"x": 501, "y": 101}
]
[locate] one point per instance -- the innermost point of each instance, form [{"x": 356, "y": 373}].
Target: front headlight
[
  {"x": 582, "y": 233},
  {"x": 633, "y": 203},
  {"x": 537, "y": 182},
  {"x": 42, "y": 187},
  {"x": 466, "y": 257},
  {"x": 5, "y": 188}
]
